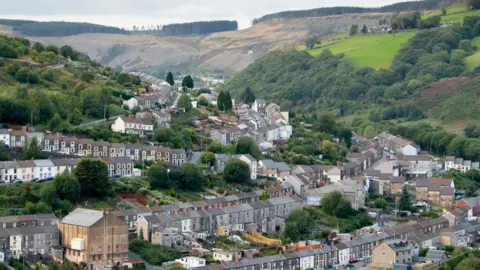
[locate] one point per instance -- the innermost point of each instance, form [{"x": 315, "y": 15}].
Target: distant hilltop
[{"x": 61, "y": 29}]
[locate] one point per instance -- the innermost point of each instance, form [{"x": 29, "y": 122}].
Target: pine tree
[
  {"x": 221, "y": 101},
  {"x": 170, "y": 79},
  {"x": 228, "y": 102},
  {"x": 364, "y": 29},
  {"x": 247, "y": 96},
  {"x": 405, "y": 203}
]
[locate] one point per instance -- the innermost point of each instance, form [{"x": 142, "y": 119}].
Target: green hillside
[
  {"x": 59, "y": 87},
  {"x": 372, "y": 50}
]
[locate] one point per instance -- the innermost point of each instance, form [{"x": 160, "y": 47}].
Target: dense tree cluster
[
  {"x": 199, "y": 28},
  {"x": 58, "y": 29},
  {"x": 187, "y": 177},
  {"x": 319, "y": 12},
  {"x": 295, "y": 79},
  {"x": 154, "y": 254}
]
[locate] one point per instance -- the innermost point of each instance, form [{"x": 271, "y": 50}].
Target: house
[
  {"x": 38, "y": 240},
  {"x": 84, "y": 147},
  {"x": 259, "y": 106},
  {"x": 222, "y": 159},
  {"x": 26, "y": 170},
  {"x": 352, "y": 190},
  {"x": 220, "y": 136},
  {"x": 119, "y": 166},
  {"x": 473, "y": 204},
  {"x": 272, "y": 168},
  {"x": 100, "y": 148},
  {"x": 117, "y": 150},
  {"x": 64, "y": 164},
  {"x": 84, "y": 234},
  {"x": 436, "y": 190},
  {"x": 160, "y": 118},
  {"x": 130, "y": 125},
  {"x": 435, "y": 256},
  {"x": 397, "y": 144},
  {"x": 9, "y": 171},
  {"x": 179, "y": 157},
  {"x": 5, "y": 136},
  {"x": 191, "y": 262},
  {"x": 169, "y": 237},
  {"x": 393, "y": 252},
  {"x": 144, "y": 102},
  {"x": 18, "y": 138},
  {"x": 211, "y": 98},
  {"x": 44, "y": 169},
  {"x": 226, "y": 256}
]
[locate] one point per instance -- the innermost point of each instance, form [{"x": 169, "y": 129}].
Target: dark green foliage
[
  {"x": 93, "y": 177},
  {"x": 59, "y": 29},
  {"x": 364, "y": 29},
  {"x": 299, "y": 224},
  {"x": 67, "y": 187},
  {"x": 381, "y": 203},
  {"x": 472, "y": 131},
  {"x": 236, "y": 171},
  {"x": 327, "y": 11},
  {"x": 247, "y": 96},
  {"x": 411, "y": 112},
  {"x": 163, "y": 134},
  {"x": 310, "y": 42},
  {"x": 154, "y": 254},
  {"x": 52, "y": 48},
  {"x": 26, "y": 75},
  {"x": 158, "y": 176},
  {"x": 474, "y": 4},
  {"x": 94, "y": 99},
  {"x": 224, "y": 101},
  {"x": 37, "y": 46},
  {"x": 430, "y": 22},
  {"x": 33, "y": 150},
  {"x": 87, "y": 76},
  {"x": 246, "y": 145},
  {"x": 7, "y": 51},
  {"x": 68, "y": 52},
  {"x": 14, "y": 111},
  {"x": 423, "y": 252},
  {"x": 170, "y": 80},
  {"x": 199, "y": 28},
  {"x": 335, "y": 204},
  {"x": 353, "y": 30},
  {"x": 405, "y": 202},
  {"x": 188, "y": 177},
  {"x": 187, "y": 82},
  {"x": 405, "y": 21}
]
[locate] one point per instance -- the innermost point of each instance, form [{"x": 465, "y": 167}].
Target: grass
[
  {"x": 458, "y": 17},
  {"x": 375, "y": 51}
]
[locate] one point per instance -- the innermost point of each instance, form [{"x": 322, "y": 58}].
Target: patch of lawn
[{"x": 377, "y": 50}]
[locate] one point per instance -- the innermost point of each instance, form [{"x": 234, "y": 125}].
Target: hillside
[
  {"x": 303, "y": 83},
  {"x": 317, "y": 12},
  {"x": 226, "y": 52},
  {"x": 56, "y": 87}
]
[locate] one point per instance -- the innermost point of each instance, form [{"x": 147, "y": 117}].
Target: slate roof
[
  {"x": 83, "y": 217},
  {"x": 270, "y": 164},
  {"x": 435, "y": 255}
]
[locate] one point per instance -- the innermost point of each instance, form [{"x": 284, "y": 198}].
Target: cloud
[{"x": 126, "y": 13}]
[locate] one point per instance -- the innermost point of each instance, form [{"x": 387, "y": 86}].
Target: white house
[
  {"x": 410, "y": 150},
  {"x": 26, "y": 170},
  {"x": 132, "y": 125},
  {"x": 5, "y": 136},
  {"x": 449, "y": 163},
  {"x": 64, "y": 164},
  {"x": 334, "y": 174},
  {"x": 225, "y": 256},
  {"x": 252, "y": 163},
  {"x": 343, "y": 253},
  {"x": 44, "y": 169},
  {"x": 9, "y": 171},
  {"x": 191, "y": 262},
  {"x": 144, "y": 102}
]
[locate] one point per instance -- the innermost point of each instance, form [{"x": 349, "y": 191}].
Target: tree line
[{"x": 319, "y": 12}]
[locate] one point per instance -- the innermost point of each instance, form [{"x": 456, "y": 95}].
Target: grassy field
[
  {"x": 375, "y": 51},
  {"x": 458, "y": 17}
]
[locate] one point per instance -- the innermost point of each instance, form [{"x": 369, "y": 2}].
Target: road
[
  {"x": 134, "y": 256},
  {"x": 97, "y": 121},
  {"x": 174, "y": 105}
]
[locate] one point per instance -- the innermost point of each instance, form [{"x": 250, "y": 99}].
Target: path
[{"x": 97, "y": 121}]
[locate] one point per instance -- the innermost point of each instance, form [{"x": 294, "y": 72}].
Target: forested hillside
[
  {"x": 199, "y": 28},
  {"x": 318, "y": 12},
  {"x": 38, "y": 84},
  {"x": 304, "y": 83}
]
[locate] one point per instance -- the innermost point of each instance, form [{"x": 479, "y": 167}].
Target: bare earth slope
[{"x": 225, "y": 51}]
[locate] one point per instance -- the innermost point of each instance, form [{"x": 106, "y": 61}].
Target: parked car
[
  {"x": 352, "y": 260},
  {"x": 18, "y": 182}
]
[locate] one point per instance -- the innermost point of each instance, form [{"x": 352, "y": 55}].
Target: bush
[{"x": 154, "y": 254}]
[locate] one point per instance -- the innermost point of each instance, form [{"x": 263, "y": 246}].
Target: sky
[{"x": 126, "y": 13}]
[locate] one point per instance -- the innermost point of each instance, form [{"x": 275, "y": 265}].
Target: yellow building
[{"x": 97, "y": 238}]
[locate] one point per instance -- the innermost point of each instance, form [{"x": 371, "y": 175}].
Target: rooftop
[{"x": 82, "y": 217}]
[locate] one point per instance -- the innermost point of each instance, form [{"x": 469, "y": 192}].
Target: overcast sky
[{"x": 126, "y": 13}]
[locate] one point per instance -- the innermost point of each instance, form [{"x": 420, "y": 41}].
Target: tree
[
  {"x": 405, "y": 202},
  {"x": 474, "y": 4},
  {"x": 312, "y": 41},
  {"x": 75, "y": 118},
  {"x": 208, "y": 158},
  {"x": 246, "y": 145},
  {"x": 67, "y": 52},
  {"x": 353, "y": 30},
  {"x": 247, "y": 96},
  {"x": 215, "y": 147},
  {"x": 55, "y": 122},
  {"x": 48, "y": 193},
  {"x": 185, "y": 102},
  {"x": 470, "y": 263},
  {"x": 264, "y": 196},
  {"x": 52, "y": 48},
  {"x": 191, "y": 177},
  {"x": 364, "y": 29},
  {"x": 331, "y": 201},
  {"x": 236, "y": 171},
  {"x": 67, "y": 187},
  {"x": 443, "y": 11},
  {"x": 224, "y": 101},
  {"x": 292, "y": 231},
  {"x": 304, "y": 220},
  {"x": 23, "y": 75},
  {"x": 158, "y": 176},
  {"x": 163, "y": 134},
  {"x": 88, "y": 76},
  {"x": 187, "y": 82},
  {"x": 37, "y": 46},
  {"x": 33, "y": 150},
  {"x": 381, "y": 203},
  {"x": 170, "y": 80},
  {"x": 203, "y": 101},
  {"x": 93, "y": 177}
]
